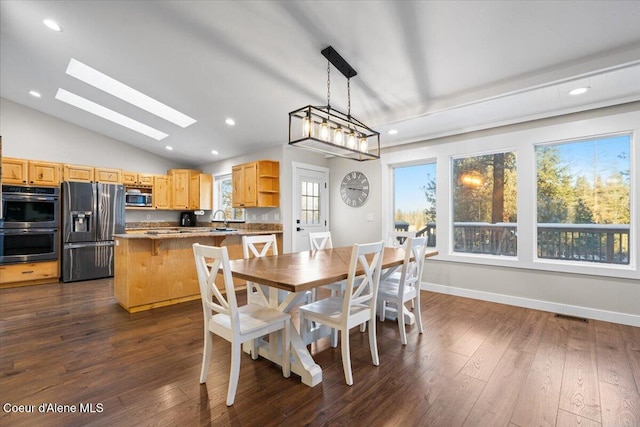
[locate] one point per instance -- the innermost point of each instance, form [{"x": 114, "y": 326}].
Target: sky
[
  {"x": 603, "y": 153},
  {"x": 578, "y": 156},
  {"x": 408, "y": 183}
]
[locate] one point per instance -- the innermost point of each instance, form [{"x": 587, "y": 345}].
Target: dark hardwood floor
[{"x": 478, "y": 363}]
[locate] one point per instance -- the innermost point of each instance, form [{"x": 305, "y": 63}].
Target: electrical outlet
[
  {"x": 276, "y": 217},
  {"x": 148, "y": 216},
  {"x": 265, "y": 217},
  {"x": 255, "y": 216}
]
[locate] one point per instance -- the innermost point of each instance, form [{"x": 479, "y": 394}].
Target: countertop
[{"x": 185, "y": 232}]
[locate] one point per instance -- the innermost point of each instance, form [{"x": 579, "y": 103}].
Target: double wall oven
[{"x": 29, "y": 227}]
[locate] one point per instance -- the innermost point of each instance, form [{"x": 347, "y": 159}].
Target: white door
[{"x": 310, "y": 203}]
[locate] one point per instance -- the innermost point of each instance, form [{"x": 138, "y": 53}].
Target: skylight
[
  {"x": 106, "y": 113},
  {"x": 113, "y": 87}
]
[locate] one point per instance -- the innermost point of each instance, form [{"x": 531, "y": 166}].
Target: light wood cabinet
[
  {"x": 108, "y": 176},
  {"x": 201, "y": 191},
  {"x": 30, "y": 172},
  {"x": 78, "y": 173},
  {"x": 129, "y": 178},
  {"x": 256, "y": 184},
  {"x": 145, "y": 179},
  {"x": 135, "y": 179},
  {"x": 161, "y": 194},
  {"x": 180, "y": 194},
  {"x": 14, "y": 171},
  {"x": 31, "y": 273},
  {"x": 44, "y": 173}
]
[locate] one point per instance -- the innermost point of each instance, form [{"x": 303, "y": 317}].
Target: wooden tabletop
[{"x": 301, "y": 271}]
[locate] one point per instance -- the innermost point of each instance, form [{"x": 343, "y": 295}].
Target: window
[
  {"x": 222, "y": 199},
  {"x": 485, "y": 204},
  {"x": 310, "y": 202},
  {"x": 583, "y": 206},
  {"x": 415, "y": 200}
]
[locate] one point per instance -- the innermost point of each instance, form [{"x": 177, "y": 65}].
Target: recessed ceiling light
[
  {"x": 113, "y": 87},
  {"x": 230, "y": 121},
  {"x": 393, "y": 131},
  {"x": 168, "y": 147},
  {"x": 52, "y": 25},
  {"x": 105, "y": 113},
  {"x": 579, "y": 90},
  {"x": 214, "y": 152},
  {"x": 35, "y": 94}
]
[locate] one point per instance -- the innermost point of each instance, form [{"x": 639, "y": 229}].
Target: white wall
[
  {"x": 584, "y": 289},
  {"x": 351, "y": 225}
]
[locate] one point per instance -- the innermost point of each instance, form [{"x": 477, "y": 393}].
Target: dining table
[{"x": 297, "y": 273}]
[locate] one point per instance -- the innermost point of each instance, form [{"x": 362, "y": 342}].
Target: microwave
[{"x": 133, "y": 198}]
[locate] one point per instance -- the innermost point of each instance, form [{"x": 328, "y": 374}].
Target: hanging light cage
[{"x": 327, "y": 130}]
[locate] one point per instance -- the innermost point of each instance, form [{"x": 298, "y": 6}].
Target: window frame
[
  {"x": 521, "y": 138},
  {"x": 217, "y": 199}
]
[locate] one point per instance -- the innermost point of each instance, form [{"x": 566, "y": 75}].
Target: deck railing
[{"x": 601, "y": 243}]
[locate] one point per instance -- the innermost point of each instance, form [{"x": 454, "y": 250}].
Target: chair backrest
[
  {"x": 320, "y": 240},
  {"x": 362, "y": 288},
  {"x": 398, "y": 239},
  {"x": 411, "y": 272},
  {"x": 209, "y": 261},
  {"x": 259, "y": 246}
]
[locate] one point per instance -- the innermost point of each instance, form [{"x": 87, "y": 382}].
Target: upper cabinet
[
  {"x": 135, "y": 179},
  {"x": 256, "y": 184},
  {"x": 201, "y": 191},
  {"x": 161, "y": 195},
  {"x": 30, "y": 172},
  {"x": 108, "y": 176},
  {"x": 180, "y": 179},
  {"x": 78, "y": 173},
  {"x": 14, "y": 171}
]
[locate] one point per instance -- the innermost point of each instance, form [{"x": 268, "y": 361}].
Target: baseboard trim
[{"x": 571, "y": 310}]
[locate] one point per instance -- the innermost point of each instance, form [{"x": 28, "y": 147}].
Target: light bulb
[
  {"x": 364, "y": 144},
  {"x": 351, "y": 140},
  {"x": 324, "y": 131},
  {"x": 338, "y": 137},
  {"x": 307, "y": 126}
]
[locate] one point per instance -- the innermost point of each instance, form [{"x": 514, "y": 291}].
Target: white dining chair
[
  {"x": 320, "y": 240},
  {"x": 258, "y": 246},
  {"x": 223, "y": 316},
  {"x": 398, "y": 239},
  {"x": 357, "y": 306},
  {"x": 407, "y": 288}
]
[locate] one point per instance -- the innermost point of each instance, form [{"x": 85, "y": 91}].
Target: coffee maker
[{"x": 187, "y": 219}]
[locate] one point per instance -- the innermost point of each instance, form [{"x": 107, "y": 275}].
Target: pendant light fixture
[{"x": 330, "y": 131}]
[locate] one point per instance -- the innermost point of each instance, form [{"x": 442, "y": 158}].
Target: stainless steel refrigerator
[{"x": 91, "y": 214}]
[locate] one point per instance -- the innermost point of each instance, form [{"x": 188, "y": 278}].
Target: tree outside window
[
  {"x": 485, "y": 204},
  {"x": 583, "y": 205}
]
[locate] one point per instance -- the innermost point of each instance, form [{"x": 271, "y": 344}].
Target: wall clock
[{"x": 354, "y": 189}]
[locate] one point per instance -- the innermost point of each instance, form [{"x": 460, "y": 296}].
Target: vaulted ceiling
[{"x": 425, "y": 68}]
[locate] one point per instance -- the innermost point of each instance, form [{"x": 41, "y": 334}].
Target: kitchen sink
[{"x": 225, "y": 229}]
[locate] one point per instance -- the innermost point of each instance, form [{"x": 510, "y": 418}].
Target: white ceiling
[{"x": 427, "y": 69}]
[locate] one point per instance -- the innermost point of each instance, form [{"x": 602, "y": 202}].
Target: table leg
[{"x": 302, "y": 362}]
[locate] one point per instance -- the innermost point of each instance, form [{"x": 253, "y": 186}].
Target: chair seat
[
  {"x": 330, "y": 309},
  {"x": 252, "y": 317},
  {"x": 390, "y": 290}
]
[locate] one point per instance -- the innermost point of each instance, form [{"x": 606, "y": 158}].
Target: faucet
[{"x": 224, "y": 216}]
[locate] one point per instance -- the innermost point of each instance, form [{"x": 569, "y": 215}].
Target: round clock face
[{"x": 354, "y": 189}]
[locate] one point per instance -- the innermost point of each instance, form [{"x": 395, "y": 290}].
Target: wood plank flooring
[{"x": 477, "y": 364}]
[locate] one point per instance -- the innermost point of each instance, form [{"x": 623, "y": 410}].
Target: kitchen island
[{"x": 155, "y": 268}]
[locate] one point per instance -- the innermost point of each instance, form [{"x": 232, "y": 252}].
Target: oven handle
[
  {"x": 24, "y": 198},
  {"x": 27, "y": 230}
]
